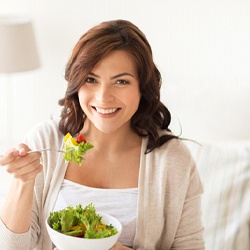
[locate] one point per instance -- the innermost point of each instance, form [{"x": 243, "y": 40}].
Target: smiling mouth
[{"x": 106, "y": 111}]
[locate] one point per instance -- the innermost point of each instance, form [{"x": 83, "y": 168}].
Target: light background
[{"x": 201, "y": 47}]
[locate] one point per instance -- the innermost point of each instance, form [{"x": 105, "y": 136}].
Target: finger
[
  {"x": 23, "y": 149},
  {"x": 22, "y": 161},
  {"x": 26, "y": 169},
  {"x": 9, "y": 157},
  {"x": 31, "y": 175},
  {"x": 13, "y": 154}
]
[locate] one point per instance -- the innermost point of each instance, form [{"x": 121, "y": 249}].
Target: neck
[{"x": 119, "y": 140}]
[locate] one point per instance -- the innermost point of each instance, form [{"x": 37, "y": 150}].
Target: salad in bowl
[{"x": 82, "y": 228}]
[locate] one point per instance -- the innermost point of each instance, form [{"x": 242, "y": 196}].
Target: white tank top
[{"x": 120, "y": 203}]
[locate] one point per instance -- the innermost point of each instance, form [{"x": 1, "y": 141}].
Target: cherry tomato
[{"x": 80, "y": 138}]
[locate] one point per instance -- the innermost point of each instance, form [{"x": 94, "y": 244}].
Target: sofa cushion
[{"x": 225, "y": 173}]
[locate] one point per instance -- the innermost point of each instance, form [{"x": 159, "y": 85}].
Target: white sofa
[{"x": 225, "y": 173}]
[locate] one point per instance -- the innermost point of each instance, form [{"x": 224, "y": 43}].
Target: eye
[
  {"x": 90, "y": 80},
  {"x": 122, "y": 82}
]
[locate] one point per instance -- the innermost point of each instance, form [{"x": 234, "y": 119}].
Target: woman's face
[{"x": 110, "y": 95}]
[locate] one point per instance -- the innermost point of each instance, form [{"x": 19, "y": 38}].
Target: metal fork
[{"x": 47, "y": 149}]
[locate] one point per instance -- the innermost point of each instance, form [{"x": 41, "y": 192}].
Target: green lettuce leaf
[
  {"x": 64, "y": 220},
  {"x": 73, "y": 151}
]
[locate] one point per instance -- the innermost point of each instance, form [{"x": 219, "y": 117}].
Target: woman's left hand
[{"x": 119, "y": 246}]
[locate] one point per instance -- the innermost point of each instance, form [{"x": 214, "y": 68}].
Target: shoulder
[
  {"x": 173, "y": 159},
  {"x": 44, "y": 127},
  {"x": 173, "y": 150},
  {"x": 172, "y": 164},
  {"x": 44, "y": 134}
]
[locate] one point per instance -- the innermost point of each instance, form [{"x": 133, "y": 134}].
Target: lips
[{"x": 106, "y": 111}]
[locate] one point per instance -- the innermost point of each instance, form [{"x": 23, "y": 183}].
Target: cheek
[
  {"x": 134, "y": 100},
  {"x": 137, "y": 96},
  {"x": 82, "y": 96}
]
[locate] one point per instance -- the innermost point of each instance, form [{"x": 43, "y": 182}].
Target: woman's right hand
[
  {"x": 16, "y": 210},
  {"x": 21, "y": 165}
]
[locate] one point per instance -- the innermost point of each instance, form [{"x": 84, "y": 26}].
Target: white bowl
[{"x": 66, "y": 242}]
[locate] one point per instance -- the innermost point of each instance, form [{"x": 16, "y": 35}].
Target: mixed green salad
[
  {"x": 75, "y": 148},
  {"x": 80, "y": 222}
]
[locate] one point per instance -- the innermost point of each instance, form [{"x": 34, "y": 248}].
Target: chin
[{"x": 107, "y": 129}]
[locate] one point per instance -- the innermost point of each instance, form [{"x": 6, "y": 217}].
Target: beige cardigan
[{"x": 169, "y": 215}]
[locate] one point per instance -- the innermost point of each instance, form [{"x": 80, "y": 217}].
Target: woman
[{"x": 138, "y": 171}]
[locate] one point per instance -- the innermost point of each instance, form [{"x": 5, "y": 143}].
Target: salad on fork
[{"x": 73, "y": 149}]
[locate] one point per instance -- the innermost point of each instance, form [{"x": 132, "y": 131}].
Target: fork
[{"x": 47, "y": 149}]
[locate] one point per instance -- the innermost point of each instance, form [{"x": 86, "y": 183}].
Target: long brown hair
[{"x": 100, "y": 40}]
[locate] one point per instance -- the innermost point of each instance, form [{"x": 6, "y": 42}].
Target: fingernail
[{"x": 22, "y": 151}]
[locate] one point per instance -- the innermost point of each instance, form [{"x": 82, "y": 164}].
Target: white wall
[{"x": 201, "y": 47}]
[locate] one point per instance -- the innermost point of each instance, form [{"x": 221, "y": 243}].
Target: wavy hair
[{"x": 99, "y": 41}]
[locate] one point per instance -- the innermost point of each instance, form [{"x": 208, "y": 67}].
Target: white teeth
[{"x": 105, "y": 111}]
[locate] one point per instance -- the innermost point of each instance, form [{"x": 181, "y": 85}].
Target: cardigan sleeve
[
  {"x": 189, "y": 233},
  {"x": 169, "y": 209},
  {"x": 10, "y": 240},
  {"x": 41, "y": 136}
]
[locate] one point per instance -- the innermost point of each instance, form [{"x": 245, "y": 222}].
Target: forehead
[{"x": 117, "y": 61}]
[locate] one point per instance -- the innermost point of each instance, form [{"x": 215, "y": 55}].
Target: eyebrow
[{"x": 113, "y": 77}]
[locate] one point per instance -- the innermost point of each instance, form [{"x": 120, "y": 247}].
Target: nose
[{"x": 104, "y": 94}]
